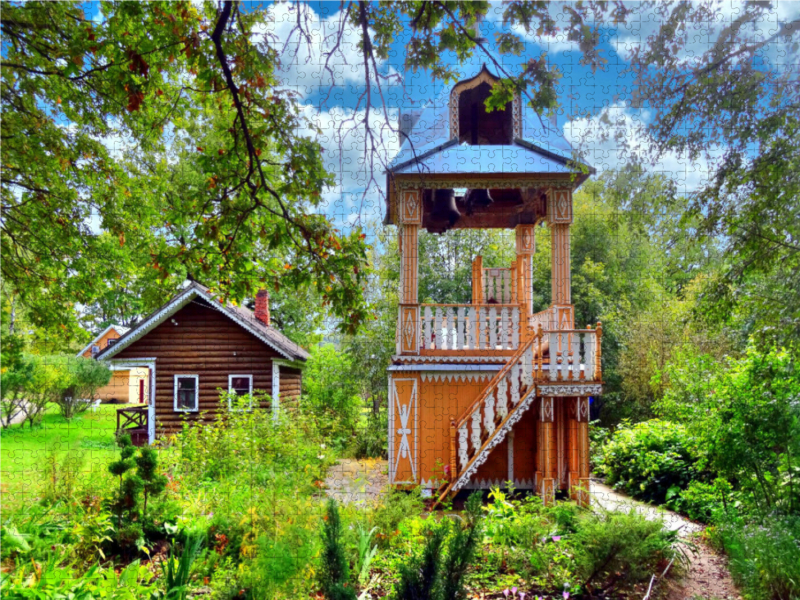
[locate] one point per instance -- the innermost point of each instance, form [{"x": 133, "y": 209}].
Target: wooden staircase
[{"x": 572, "y": 356}]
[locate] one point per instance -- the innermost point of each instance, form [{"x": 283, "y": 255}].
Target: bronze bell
[
  {"x": 479, "y": 198},
  {"x": 444, "y": 213}
]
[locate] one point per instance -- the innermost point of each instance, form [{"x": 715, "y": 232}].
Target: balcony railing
[{"x": 470, "y": 326}]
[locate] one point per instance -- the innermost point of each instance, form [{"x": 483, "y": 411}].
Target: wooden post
[
  {"x": 598, "y": 369},
  {"x": 572, "y": 447},
  {"x": 477, "y": 280},
  {"x": 525, "y": 236},
  {"x": 559, "y": 219},
  {"x": 408, "y": 330},
  {"x": 547, "y": 456},
  {"x": 453, "y": 451}
]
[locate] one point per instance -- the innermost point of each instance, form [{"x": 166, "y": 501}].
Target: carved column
[
  {"x": 579, "y": 450},
  {"x": 526, "y": 245},
  {"x": 559, "y": 219},
  {"x": 410, "y": 211},
  {"x": 547, "y": 455}
]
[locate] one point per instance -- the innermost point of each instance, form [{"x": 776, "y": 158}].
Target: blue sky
[{"x": 590, "y": 102}]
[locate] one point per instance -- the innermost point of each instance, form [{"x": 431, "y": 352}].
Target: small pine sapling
[
  {"x": 461, "y": 550},
  {"x": 334, "y": 572},
  {"x": 126, "y": 497},
  {"x": 419, "y": 577}
]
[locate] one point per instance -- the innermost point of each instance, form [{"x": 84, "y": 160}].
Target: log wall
[{"x": 206, "y": 343}]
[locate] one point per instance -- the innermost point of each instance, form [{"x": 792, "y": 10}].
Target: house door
[{"x": 141, "y": 391}]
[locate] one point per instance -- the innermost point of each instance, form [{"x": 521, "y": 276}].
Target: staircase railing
[
  {"x": 574, "y": 355},
  {"x": 498, "y": 399}
]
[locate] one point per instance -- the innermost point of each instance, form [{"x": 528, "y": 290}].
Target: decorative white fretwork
[
  {"x": 488, "y": 419},
  {"x": 502, "y": 398},
  {"x": 402, "y": 418},
  {"x": 475, "y": 438},
  {"x": 463, "y": 456},
  {"x": 515, "y": 385},
  {"x": 567, "y": 389}
]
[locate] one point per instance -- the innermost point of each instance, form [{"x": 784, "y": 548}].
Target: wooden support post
[
  {"x": 579, "y": 442},
  {"x": 453, "y": 451},
  {"x": 559, "y": 219},
  {"x": 547, "y": 456},
  {"x": 408, "y": 327},
  {"x": 477, "y": 280},
  {"x": 525, "y": 246},
  {"x": 598, "y": 368}
]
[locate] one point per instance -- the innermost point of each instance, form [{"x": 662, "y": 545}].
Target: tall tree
[{"x": 79, "y": 89}]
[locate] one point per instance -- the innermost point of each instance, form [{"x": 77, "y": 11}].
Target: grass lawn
[{"x": 25, "y": 453}]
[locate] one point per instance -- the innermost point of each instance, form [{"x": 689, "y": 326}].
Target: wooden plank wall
[{"x": 208, "y": 344}]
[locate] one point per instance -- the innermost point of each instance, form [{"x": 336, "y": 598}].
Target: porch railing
[
  {"x": 470, "y": 326},
  {"x": 133, "y": 421}
]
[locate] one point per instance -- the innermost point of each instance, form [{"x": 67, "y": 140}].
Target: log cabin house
[
  {"x": 193, "y": 347},
  {"x": 488, "y": 392},
  {"x": 127, "y": 386}
]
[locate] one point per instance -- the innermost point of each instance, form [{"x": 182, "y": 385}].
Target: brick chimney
[{"x": 262, "y": 306}]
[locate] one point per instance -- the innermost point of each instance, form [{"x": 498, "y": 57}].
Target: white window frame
[
  {"x": 196, "y": 393},
  {"x": 230, "y": 389}
]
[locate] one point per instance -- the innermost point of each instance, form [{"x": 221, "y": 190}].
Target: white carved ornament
[
  {"x": 568, "y": 389},
  {"x": 404, "y": 414}
]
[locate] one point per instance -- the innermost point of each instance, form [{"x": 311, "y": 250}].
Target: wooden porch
[{"x": 134, "y": 422}]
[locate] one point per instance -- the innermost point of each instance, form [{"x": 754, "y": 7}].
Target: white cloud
[
  {"x": 307, "y": 41},
  {"x": 347, "y": 153},
  {"x": 618, "y": 135}
]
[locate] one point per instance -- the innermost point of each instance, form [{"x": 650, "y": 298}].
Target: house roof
[
  {"x": 427, "y": 128},
  {"x": 118, "y": 328},
  {"x": 244, "y": 317},
  {"x": 517, "y": 157}
]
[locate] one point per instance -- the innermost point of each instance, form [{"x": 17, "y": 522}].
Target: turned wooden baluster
[
  {"x": 488, "y": 420},
  {"x": 475, "y": 436},
  {"x": 463, "y": 447},
  {"x": 502, "y": 399}
]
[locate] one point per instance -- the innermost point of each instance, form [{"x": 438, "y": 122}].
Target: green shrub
[
  {"x": 331, "y": 393},
  {"x": 396, "y": 506},
  {"x": 705, "y": 502},
  {"x": 764, "y": 558},
  {"x": 439, "y": 572},
  {"x": 651, "y": 460},
  {"x": 334, "y": 573},
  {"x": 372, "y": 437},
  {"x": 618, "y": 549}
]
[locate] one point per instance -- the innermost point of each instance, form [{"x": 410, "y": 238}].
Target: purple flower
[
  {"x": 514, "y": 591},
  {"x": 522, "y": 595},
  {"x": 565, "y": 594},
  {"x": 556, "y": 538},
  {"x": 505, "y": 592}
]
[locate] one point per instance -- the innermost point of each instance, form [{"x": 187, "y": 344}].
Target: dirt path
[
  {"x": 705, "y": 576},
  {"x": 359, "y": 482}
]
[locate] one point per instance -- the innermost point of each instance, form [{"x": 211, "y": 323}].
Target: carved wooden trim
[
  {"x": 403, "y": 423},
  {"x": 483, "y": 77},
  {"x": 498, "y": 436},
  {"x": 494, "y": 181},
  {"x": 559, "y": 206},
  {"x": 409, "y": 329},
  {"x": 582, "y": 409},
  {"x": 569, "y": 389},
  {"x": 526, "y": 239},
  {"x": 411, "y": 207},
  {"x": 547, "y": 412}
]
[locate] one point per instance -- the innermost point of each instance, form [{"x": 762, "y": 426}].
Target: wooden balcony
[
  {"x": 133, "y": 422},
  {"x": 470, "y": 327}
]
